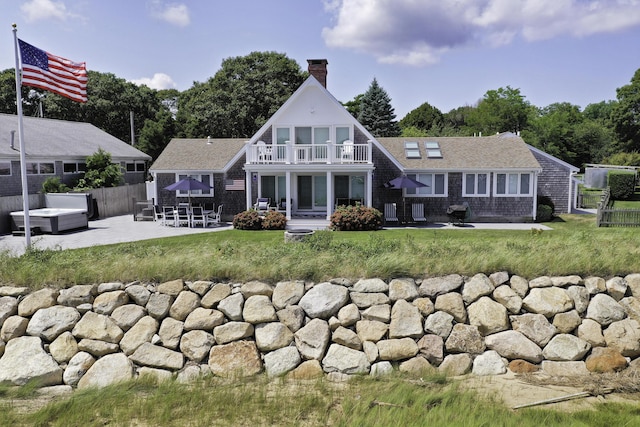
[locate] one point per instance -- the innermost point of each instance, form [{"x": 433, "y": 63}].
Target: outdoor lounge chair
[
  {"x": 214, "y": 217},
  {"x": 183, "y": 217},
  {"x": 168, "y": 216},
  {"x": 158, "y": 215},
  {"x": 262, "y": 204},
  {"x": 346, "y": 156},
  {"x": 390, "y": 214},
  {"x": 417, "y": 212},
  {"x": 198, "y": 217}
]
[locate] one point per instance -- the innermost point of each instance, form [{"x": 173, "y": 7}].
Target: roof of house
[
  {"x": 186, "y": 154},
  {"x": 61, "y": 139},
  {"x": 504, "y": 151}
]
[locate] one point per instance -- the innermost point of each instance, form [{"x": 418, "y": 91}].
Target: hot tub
[{"x": 51, "y": 220}]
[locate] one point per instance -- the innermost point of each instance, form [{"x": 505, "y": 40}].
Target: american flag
[
  {"x": 234, "y": 185},
  {"x": 53, "y": 73}
]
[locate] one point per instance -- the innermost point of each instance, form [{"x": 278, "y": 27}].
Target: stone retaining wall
[{"x": 93, "y": 335}]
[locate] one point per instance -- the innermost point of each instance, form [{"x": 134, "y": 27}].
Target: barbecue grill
[{"x": 457, "y": 214}]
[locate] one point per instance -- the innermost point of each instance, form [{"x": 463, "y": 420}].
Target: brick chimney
[{"x": 318, "y": 69}]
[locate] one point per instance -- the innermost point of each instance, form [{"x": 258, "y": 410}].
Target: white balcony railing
[{"x": 308, "y": 153}]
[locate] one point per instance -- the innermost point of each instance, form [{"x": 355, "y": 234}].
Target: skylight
[
  {"x": 412, "y": 150},
  {"x": 433, "y": 150}
]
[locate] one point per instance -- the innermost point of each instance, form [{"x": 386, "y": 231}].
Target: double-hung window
[
  {"x": 436, "y": 185},
  {"x": 5, "y": 168},
  {"x": 512, "y": 184},
  {"x": 205, "y": 178},
  {"x": 475, "y": 185}
]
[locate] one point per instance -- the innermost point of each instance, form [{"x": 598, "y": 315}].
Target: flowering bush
[
  {"x": 360, "y": 218},
  {"x": 274, "y": 221},
  {"x": 248, "y": 220}
]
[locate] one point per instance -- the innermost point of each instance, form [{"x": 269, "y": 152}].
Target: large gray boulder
[
  {"x": 107, "y": 370},
  {"x": 232, "y": 306},
  {"x": 536, "y": 327},
  {"x": 514, "y": 345},
  {"x": 77, "y": 367},
  {"x": 107, "y": 302},
  {"x": 259, "y": 309},
  {"x": 605, "y": 310},
  {"x": 97, "y": 327},
  {"x": 371, "y": 330},
  {"x": 397, "y": 349},
  {"x": 566, "y": 347},
  {"x": 232, "y": 331},
  {"x": 203, "y": 319},
  {"x": 465, "y": 339},
  {"x": 139, "y": 334},
  {"x": 372, "y": 285},
  {"x": 34, "y": 301},
  {"x": 281, "y": 361},
  {"x": 478, "y": 286},
  {"x": 128, "y": 315},
  {"x": 489, "y": 363},
  {"x": 324, "y": 300},
  {"x": 8, "y": 307},
  {"x": 195, "y": 345},
  {"x": 406, "y": 321},
  {"x": 345, "y": 360},
  {"x": 547, "y": 301},
  {"x": 489, "y": 316},
  {"x": 157, "y": 357},
  {"x": 287, "y": 293},
  {"x": 184, "y": 304},
  {"x": 403, "y": 289},
  {"x": 312, "y": 339},
  {"x": 236, "y": 359},
  {"x": 453, "y": 304},
  {"x": 272, "y": 336},
  {"x": 433, "y": 286},
  {"x": 624, "y": 336},
  {"x": 48, "y": 323},
  {"x": 24, "y": 360},
  {"x": 77, "y": 295},
  {"x": 439, "y": 323}
]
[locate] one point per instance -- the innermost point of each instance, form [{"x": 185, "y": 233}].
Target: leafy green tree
[
  {"x": 554, "y": 132},
  {"x": 156, "y": 134},
  {"x": 426, "y": 117},
  {"x": 455, "y": 122},
  {"x": 626, "y": 114},
  {"x": 623, "y": 159},
  {"x": 501, "y": 110},
  {"x": 376, "y": 112},
  {"x": 413, "y": 132},
  {"x": 241, "y": 97},
  {"x": 353, "y": 106},
  {"x": 101, "y": 172}
]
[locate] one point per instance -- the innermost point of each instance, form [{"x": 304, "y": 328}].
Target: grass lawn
[{"x": 574, "y": 246}]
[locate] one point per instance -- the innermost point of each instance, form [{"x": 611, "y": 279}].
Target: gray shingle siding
[{"x": 554, "y": 181}]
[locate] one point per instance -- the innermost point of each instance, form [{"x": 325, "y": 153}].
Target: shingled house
[{"x": 313, "y": 155}]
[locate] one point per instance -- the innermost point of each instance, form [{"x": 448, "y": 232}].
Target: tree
[
  {"x": 241, "y": 97},
  {"x": 626, "y": 114},
  {"x": 156, "y": 134},
  {"x": 426, "y": 117},
  {"x": 376, "y": 112},
  {"x": 101, "y": 172},
  {"x": 353, "y": 106},
  {"x": 501, "y": 110}
]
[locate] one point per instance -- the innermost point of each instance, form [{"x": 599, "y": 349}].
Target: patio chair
[
  {"x": 346, "y": 156},
  {"x": 198, "y": 217},
  {"x": 417, "y": 212},
  {"x": 390, "y": 214},
  {"x": 169, "y": 215},
  {"x": 158, "y": 215},
  {"x": 183, "y": 217},
  {"x": 214, "y": 217},
  {"x": 262, "y": 204},
  {"x": 265, "y": 152}
]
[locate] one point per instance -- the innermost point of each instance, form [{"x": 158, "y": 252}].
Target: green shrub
[
  {"x": 248, "y": 220},
  {"x": 545, "y": 213},
  {"x": 546, "y": 200},
  {"x": 274, "y": 221},
  {"x": 621, "y": 183},
  {"x": 54, "y": 185},
  {"x": 352, "y": 218}
]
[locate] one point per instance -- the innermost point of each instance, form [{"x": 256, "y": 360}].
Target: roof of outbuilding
[
  {"x": 61, "y": 139},
  {"x": 504, "y": 151},
  {"x": 198, "y": 154}
]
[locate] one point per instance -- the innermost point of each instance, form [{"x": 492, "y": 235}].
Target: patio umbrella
[
  {"x": 188, "y": 184},
  {"x": 405, "y": 182}
]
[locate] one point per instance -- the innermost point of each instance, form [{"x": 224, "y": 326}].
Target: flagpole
[{"x": 23, "y": 160}]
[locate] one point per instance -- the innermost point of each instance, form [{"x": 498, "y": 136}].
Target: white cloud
[
  {"x": 37, "y": 10},
  {"x": 158, "y": 81},
  {"x": 419, "y": 32},
  {"x": 174, "y": 13}
]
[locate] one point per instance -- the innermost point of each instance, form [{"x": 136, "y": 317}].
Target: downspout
[{"x": 535, "y": 194}]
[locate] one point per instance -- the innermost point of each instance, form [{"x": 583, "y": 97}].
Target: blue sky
[{"x": 445, "y": 52}]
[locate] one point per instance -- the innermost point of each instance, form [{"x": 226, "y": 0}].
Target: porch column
[
  {"x": 369, "y": 198},
  {"x": 287, "y": 181},
  {"x": 535, "y": 195},
  {"x": 329, "y": 195},
  {"x": 247, "y": 185}
]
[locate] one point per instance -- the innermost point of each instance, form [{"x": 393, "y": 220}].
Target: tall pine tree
[{"x": 376, "y": 113}]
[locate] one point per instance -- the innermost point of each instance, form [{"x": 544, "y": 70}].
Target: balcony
[{"x": 329, "y": 153}]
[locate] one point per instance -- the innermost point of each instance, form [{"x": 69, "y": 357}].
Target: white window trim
[
  {"x": 73, "y": 162},
  {"x": 518, "y": 192},
  {"x": 10, "y": 168},
  {"x": 332, "y": 132},
  {"x": 195, "y": 193},
  {"x": 39, "y": 163},
  {"x": 446, "y": 185},
  {"x": 475, "y": 193}
]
